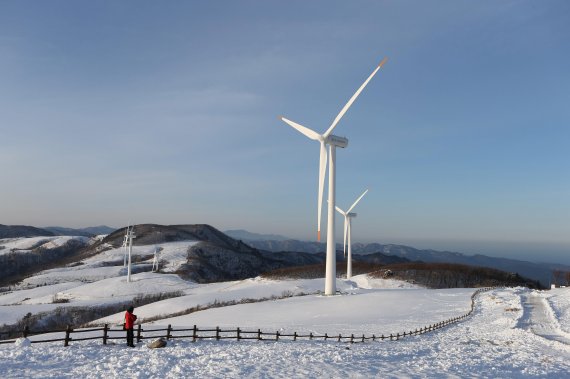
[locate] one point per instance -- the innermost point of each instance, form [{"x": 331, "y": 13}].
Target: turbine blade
[
  {"x": 322, "y": 172},
  {"x": 345, "y": 108},
  {"x": 356, "y": 202},
  {"x": 340, "y": 211},
  {"x": 304, "y": 130},
  {"x": 345, "y": 231}
]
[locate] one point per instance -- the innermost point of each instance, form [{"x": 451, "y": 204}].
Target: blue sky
[{"x": 166, "y": 112}]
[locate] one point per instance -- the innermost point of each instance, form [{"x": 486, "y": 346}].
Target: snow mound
[{"x": 23, "y": 342}]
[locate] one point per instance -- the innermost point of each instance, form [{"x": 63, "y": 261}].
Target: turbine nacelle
[
  {"x": 351, "y": 215},
  {"x": 336, "y": 141}
]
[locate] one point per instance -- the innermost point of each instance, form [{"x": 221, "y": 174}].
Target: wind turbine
[
  {"x": 130, "y": 236},
  {"x": 348, "y": 216},
  {"x": 125, "y": 246},
  {"x": 155, "y": 260},
  {"x": 333, "y": 142}
]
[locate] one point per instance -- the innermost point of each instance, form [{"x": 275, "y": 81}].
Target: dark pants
[{"x": 130, "y": 337}]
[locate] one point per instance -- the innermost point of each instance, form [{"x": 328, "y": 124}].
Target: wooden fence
[{"x": 218, "y": 333}]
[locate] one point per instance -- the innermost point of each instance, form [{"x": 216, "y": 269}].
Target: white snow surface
[
  {"x": 513, "y": 332},
  {"x": 23, "y": 245},
  {"x": 496, "y": 342}
]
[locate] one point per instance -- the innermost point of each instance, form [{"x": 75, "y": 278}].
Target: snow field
[{"x": 490, "y": 344}]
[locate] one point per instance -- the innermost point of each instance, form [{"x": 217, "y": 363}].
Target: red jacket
[{"x": 129, "y": 320}]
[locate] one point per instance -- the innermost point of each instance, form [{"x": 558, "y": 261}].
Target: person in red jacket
[{"x": 129, "y": 326}]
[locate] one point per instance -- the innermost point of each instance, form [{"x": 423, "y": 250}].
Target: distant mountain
[
  {"x": 16, "y": 231},
  {"x": 19, "y": 231},
  {"x": 241, "y": 234},
  {"x": 90, "y": 231},
  {"x": 535, "y": 271}
]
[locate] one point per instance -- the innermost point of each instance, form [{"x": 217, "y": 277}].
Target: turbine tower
[
  {"x": 348, "y": 216},
  {"x": 333, "y": 142},
  {"x": 125, "y": 246},
  {"x": 130, "y": 236},
  {"x": 155, "y": 260},
  {"x": 156, "y": 252}
]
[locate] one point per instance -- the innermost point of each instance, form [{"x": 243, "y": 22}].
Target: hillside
[
  {"x": 21, "y": 257},
  {"x": 535, "y": 271},
  {"x": 449, "y": 275},
  {"x": 15, "y": 231},
  {"x": 90, "y": 231}
]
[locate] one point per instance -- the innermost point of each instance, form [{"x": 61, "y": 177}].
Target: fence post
[
  {"x": 67, "y": 337},
  {"x": 168, "y": 330},
  {"x": 139, "y": 330},
  {"x": 217, "y": 333},
  {"x": 26, "y": 331},
  {"x": 277, "y": 335},
  {"x": 339, "y": 337},
  {"x": 311, "y": 335},
  {"x": 363, "y": 338},
  {"x": 390, "y": 336},
  {"x": 194, "y": 334},
  {"x": 374, "y": 337},
  {"x": 105, "y": 329},
  {"x": 238, "y": 335},
  {"x": 326, "y": 336},
  {"x": 259, "y": 334},
  {"x": 382, "y": 337},
  {"x": 352, "y": 338}
]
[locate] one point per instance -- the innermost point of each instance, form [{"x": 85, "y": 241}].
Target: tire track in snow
[{"x": 539, "y": 318}]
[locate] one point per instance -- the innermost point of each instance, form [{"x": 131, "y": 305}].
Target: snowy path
[{"x": 539, "y": 317}]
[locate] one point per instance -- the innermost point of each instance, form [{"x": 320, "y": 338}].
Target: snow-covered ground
[
  {"x": 512, "y": 333},
  {"x": 494, "y": 343},
  {"x": 95, "y": 281},
  {"x": 22, "y": 245}
]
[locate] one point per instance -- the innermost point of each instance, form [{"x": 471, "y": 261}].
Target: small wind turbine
[
  {"x": 348, "y": 216},
  {"x": 125, "y": 246},
  {"x": 155, "y": 260},
  {"x": 130, "y": 236},
  {"x": 333, "y": 142}
]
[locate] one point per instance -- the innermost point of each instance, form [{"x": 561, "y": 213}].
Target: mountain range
[
  {"x": 537, "y": 271},
  {"x": 16, "y": 231},
  {"x": 228, "y": 256}
]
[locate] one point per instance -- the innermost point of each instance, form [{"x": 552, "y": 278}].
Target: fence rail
[{"x": 238, "y": 333}]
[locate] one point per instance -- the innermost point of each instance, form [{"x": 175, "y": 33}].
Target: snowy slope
[
  {"x": 24, "y": 245},
  {"x": 204, "y": 295},
  {"x": 491, "y": 344}
]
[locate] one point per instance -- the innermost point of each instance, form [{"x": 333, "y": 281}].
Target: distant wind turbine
[
  {"x": 130, "y": 236},
  {"x": 125, "y": 246},
  {"x": 348, "y": 216},
  {"x": 333, "y": 142},
  {"x": 155, "y": 260}
]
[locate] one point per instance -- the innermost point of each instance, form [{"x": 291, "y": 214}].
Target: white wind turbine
[
  {"x": 125, "y": 246},
  {"x": 348, "y": 216},
  {"x": 155, "y": 260},
  {"x": 333, "y": 142},
  {"x": 130, "y": 236}
]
